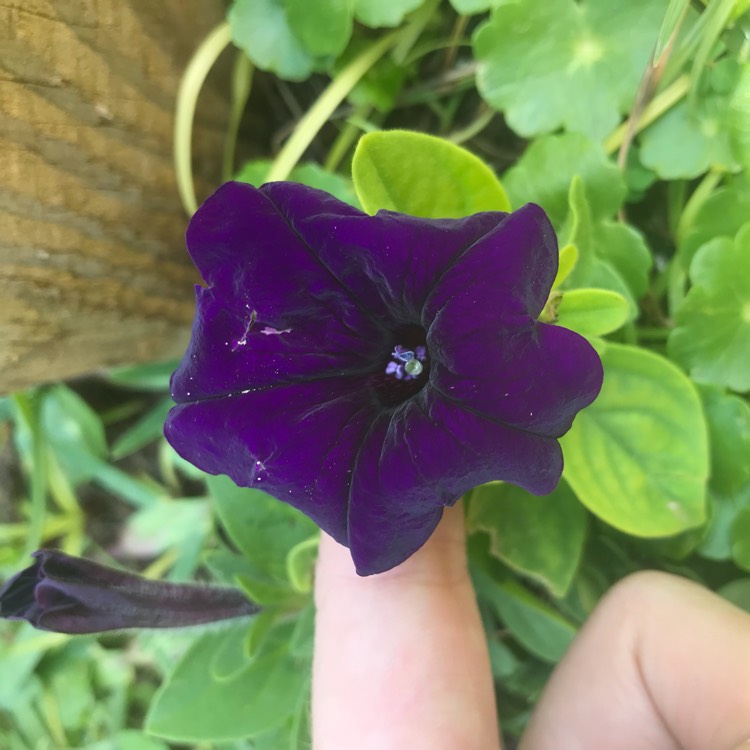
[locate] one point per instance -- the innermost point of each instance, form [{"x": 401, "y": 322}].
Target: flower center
[{"x": 407, "y": 369}]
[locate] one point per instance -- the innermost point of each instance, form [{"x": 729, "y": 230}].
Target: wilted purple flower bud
[
  {"x": 369, "y": 370},
  {"x": 67, "y": 594}
]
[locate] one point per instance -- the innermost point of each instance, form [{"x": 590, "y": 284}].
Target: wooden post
[{"x": 93, "y": 269}]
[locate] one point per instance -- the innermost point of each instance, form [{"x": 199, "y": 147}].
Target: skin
[{"x": 401, "y": 663}]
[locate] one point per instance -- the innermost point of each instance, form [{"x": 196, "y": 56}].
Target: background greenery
[{"x": 630, "y": 124}]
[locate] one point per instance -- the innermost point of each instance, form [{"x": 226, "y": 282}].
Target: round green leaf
[
  {"x": 323, "y": 26},
  {"x": 592, "y": 312},
  {"x": 638, "y": 456},
  {"x": 422, "y": 175},
  {"x": 377, "y": 13},
  {"x": 544, "y": 172},
  {"x": 712, "y": 337},
  {"x": 261, "y": 29},
  {"x": 558, "y": 63},
  {"x": 721, "y": 215},
  {"x": 541, "y": 537}
]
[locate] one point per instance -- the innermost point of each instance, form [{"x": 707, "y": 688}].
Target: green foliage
[
  {"x": 262, "y": 30},
  {"x": 712, "y": 338},
  {"x": 638, "y": 457},
  {"x": 581, "y": 77},
  {"x": 239, "y": 696},
  {"x": 421, "y": 175},
  {"x": 540, "y": 537},
  {"x": 544, "y": 172},
  {"x": 592, "y": 312}
]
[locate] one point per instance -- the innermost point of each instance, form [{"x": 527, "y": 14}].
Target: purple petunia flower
[{"x": 369, "y": 370}]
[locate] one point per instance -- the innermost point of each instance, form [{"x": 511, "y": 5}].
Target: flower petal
[
  {"x": 425, "y": 456},
  {"x": 296, "y": 442},
  {"x": 274, "y": 311},
  {"x": 507, "y": 274},
  {"x": 536, "y": 377}
]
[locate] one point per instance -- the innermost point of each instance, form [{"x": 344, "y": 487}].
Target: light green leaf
[
  {"x": 263, "y": 528},
  {"x": 544, "y": 173},
  {"x": 738, "y": 119},
  {"x": 728, "y": 419},
  {"x": 712, "y": 337},
  {"x": 424, "y": 176},
  {"x": 721, "y": 215},
  {"x": 592, "y": 312},
  {"x": 541, "y": 537},
  {"x": 684, "y": 144},
  {"x": 610, "y": 256},
  {"x": 378, "y": 13},
  {"x": 540, "y": 629},
  {"x": 323, "y": 26},
  {"x": 557, "y": 63},
  {"x": 469, "y": 7},
  {"x": 261, "y": 29},
  {"x": 193, "y": 706},
  {"x": 638, "y": 456},
  {"x": 566, "y": 263}
]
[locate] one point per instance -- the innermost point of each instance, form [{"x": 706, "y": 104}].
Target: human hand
[{"x": 401, "y": 663}]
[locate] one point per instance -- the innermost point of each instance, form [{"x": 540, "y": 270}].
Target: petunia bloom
[
  {"x": 67, "y": 594},
  {"x": 369, "y": 370}
]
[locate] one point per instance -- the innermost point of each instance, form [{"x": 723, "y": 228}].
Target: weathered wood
[{"x": 93, "y": 270}]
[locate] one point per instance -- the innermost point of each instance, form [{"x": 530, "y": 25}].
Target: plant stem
[
  {"x": 658, "y": 106},
  {"x": 242, "y": 79},
  {"x": 325, "y": 106},
  {"x": 187, "y": 96}
]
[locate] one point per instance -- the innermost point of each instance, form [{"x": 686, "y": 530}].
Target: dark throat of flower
[{"x": 404, "y": 368}]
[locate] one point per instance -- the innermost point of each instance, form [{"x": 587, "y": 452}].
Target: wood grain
[{"x": 93, "y": 270}]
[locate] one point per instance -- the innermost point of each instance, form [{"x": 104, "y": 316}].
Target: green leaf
[
  {"x": 738, "y": 119},
  {"x": 740, "y": 536},
  {"x": 74, "y": 431},
  {"x": 300, "y": 563},
  {"x": 378, "y": 13},
  {"x": 263, "y": 528},
  {"x": 323, "y": 26},
  {"x": 544, "y": 173},
  {"x": 684, "y": 144},
  {"x": 261, "y": 29},
  {"x": 540, "y": 537},
  {"x": 728, "y": 418},
  {"x": 638, "y": 456},
  {"x": 712, "y": 337},
  {"x": 580, "y": 73},
  {"x": 442, "y": 180},
  {"x": 737, "y": 592},
  {"x": 470, "y": 7},
  {"x": 194, "y": 706},
  {"x": 716, "y": 542},
  {"x": 312, "y": 174},
  {"x": 566, "y": 263},
  {"x": 147, "y": 429},
  {"x": 610, "y": 256},
  {"x": 721, "y": 215},
  {"x": 592, "y": 312},
  {"x": 536, "y": 626}
]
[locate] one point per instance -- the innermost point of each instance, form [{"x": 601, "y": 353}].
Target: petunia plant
[{"x": 544, "y": 311}]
